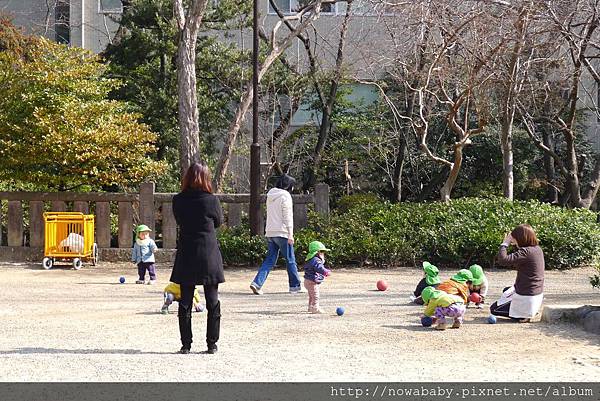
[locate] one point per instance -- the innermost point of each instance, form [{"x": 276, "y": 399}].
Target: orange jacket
[{"x": 455, "y": 288}]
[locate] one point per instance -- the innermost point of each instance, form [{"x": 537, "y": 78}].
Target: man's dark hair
[{"x": 285, "y": 182}]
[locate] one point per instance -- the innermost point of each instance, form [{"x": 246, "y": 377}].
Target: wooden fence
[{"x": 126, "y": 210}]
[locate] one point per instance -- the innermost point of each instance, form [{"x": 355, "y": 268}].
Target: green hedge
[{"x": 451, "y": 234}]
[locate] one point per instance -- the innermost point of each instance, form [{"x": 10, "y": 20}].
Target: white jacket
[{"x": 280, "y": 214}]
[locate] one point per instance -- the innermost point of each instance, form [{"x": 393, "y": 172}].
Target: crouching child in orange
[
  {"x": 460, "y": 285},
  {"x": 441, "y": 305},
  {"x": 314, "y": 274}
]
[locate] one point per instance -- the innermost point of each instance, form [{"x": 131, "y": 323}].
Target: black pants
[
  {"x": 500, "y": 310},
  {"x": 213, "y": 306}
]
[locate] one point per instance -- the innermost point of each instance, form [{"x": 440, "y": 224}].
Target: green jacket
[{"x": 443, "y": 300}]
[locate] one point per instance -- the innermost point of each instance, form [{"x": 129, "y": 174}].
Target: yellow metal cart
[{"x": 69, "y": 236}]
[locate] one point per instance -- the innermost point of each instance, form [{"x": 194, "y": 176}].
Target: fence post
[
  {"x": 15, "y": 223},
  {"x": 36, "y": 224},
  {"x": 59, "y": 206},
  {"x": 81, "y": 206},
  {"x": 234, "y": 214},
  {"x": 103, "y": 224},
  {"x": 300, "y": 215},
  {"x": 147, "y": 206},
  {"x": 125, "y": 225},
  {"x": 322, "y": 199},
  {"x": 169, "y": 226}
]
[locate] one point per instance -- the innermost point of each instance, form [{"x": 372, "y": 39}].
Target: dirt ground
[{"x": 67, "y": 325}]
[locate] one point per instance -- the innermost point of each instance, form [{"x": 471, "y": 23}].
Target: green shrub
[
  {"x": 238, "y": 247},
  {"x": 456, "y": 234}
]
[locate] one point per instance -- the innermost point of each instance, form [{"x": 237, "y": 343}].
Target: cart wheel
[
  {"x": 95, "y": 254},
  {"x": 77, "y": 263},
  {"x": 47, "y": 263}
]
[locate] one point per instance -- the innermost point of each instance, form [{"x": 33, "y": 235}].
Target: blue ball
[
  {"x": 340, "y": 311},
  {"x": 426, "y": 321},
  {"x": 121, "y": 279},
  {"x": 491, "y": 319}
]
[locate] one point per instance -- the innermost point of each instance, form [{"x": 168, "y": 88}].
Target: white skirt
[
  {"x": 525, "y": 306},
  {"x": 521, "y": 306}
]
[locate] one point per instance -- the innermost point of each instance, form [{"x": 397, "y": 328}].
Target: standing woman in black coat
[{"x": 198, "y": 260}]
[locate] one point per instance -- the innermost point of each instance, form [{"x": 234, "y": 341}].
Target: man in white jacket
[{"x": 279, "y": 231}]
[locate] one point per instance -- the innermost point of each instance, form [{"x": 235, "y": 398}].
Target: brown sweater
[{"x": 529, "y": 262}]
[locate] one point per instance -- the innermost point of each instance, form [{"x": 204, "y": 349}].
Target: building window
[
  {"x": 110, "y": 7},
  {"x": 285, "y": 6},
  {"x": 62, "y": 29}
]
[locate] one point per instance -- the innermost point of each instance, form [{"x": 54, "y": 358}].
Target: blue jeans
[{"x": 276, "y": 244}]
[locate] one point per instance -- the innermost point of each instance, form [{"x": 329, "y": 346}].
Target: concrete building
[{"x": 90, "y": 24}]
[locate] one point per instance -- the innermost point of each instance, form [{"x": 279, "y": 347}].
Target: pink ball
[
  {"x": 475, "y": 297},
  {"x": 382, "y": 285}
]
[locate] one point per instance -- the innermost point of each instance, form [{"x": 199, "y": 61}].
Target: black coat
[{"x": 198, "y": 259}]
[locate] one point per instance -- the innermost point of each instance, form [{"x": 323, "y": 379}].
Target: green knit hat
[
  {"x": 431, "y": 274},
  {"x": 463, "y": 276},
  {"x": 142, "y": 228},
  {"x": 478, "y": 275},
  {"x": 430, "y": 293},
  {"x": 314, "y": 248}
]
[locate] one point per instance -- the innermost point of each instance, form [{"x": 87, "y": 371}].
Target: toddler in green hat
[
  {"x": 430, "y": 278},
  {"x": 480, "y": 284},
  {"x": 142, "y": 254},
  {"x": 441, "y": 305},
  {"x": 460, "y": 284},
  {"x": 314, "y": 274}
]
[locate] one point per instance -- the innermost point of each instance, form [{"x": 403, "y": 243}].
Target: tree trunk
[
  {"x": 187, "y": 102},
  {"x": 509, "y": 106},
  {"x": 397, "y": 174},
  {"x": 446, "y": 190},
  {"x": 551, "y": 190}
]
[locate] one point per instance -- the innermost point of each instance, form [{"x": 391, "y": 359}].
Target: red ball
[
  {"x": 382, "y": 285},
  {"x": 475, "y": 297}
]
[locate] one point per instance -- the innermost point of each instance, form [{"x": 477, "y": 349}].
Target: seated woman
[{"x": 524, "y": 299}]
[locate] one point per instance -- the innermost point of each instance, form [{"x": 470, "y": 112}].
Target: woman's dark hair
[
  {"x": 197, "y": 176},
  {"x": 524, "y": 235},
  {"x": 285, "y": 182}
]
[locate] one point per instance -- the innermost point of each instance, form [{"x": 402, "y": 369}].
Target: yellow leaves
[{"x": 57, "y": 125}]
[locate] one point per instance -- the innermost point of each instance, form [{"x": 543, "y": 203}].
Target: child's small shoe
[
  {"x": 441, "y": 326},
  {"x": 165, "y": 309},
  {"x": 479, "y": 306},
  {"x": 456, "y": 324},
  {"x": 151, "y": 282},
  {"x": 139, "y": 281},
  {"x": 317, "y": 311}
]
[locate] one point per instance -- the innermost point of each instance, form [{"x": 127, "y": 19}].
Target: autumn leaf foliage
[{"x": 58, "y": 128}]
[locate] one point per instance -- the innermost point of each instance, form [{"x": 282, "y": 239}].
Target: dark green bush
[
  {"x": 238, "y": 247},
  {"x": 456, "y": 234}
]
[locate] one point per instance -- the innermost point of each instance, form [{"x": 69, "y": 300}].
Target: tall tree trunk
[
  {"x": 551, "y": 190},
  {"x": 446, "y": 190},
  {"x": 397, "y": 174},
  {"x": 327, "y": 108},
  {"x": 509, "y": 105},
  {"x": 187, "y": 102}
]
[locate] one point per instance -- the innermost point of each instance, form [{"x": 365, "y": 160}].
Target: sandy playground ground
[{"x": 67, "y": 325}]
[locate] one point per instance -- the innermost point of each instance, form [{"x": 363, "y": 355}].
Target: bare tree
[
  {"x": 303, "y": 18},
  {"x": 576, "y": 22},
  {"x": 188, "y": 23}
]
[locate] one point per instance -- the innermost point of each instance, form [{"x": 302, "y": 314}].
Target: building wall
[{"x": 89, "y": 28}]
